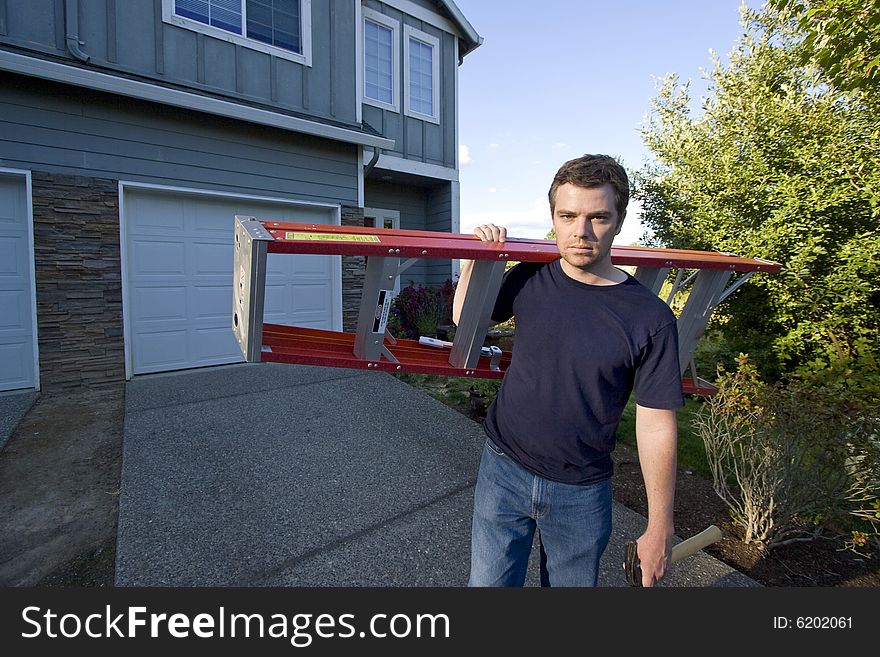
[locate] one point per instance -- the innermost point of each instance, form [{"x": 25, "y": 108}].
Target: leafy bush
[
  {"x": 794, "y": 458},
  {"x": 780, "y": 162},
  {"x": 418, "y": 311}
]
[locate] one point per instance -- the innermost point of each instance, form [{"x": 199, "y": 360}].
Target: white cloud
[
  {"x": 494, "y": 145},
  {"x": 524, "y": 223},
  {"x": 492, "y": 190},
  {"x": 464, "y": 155}
]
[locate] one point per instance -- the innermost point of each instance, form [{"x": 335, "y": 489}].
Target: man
[{"x": 587, "y": 336}]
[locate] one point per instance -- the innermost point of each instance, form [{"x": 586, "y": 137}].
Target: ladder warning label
[
  {"x": 382, "y": 307},
  {"x": 331, "y": 237}
]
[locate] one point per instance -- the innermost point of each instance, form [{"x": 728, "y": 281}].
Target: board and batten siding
[
  {"x": 130, "y": 37},
  {"x": 418, "y": 140},
  {"x": 54, "y": 127}
]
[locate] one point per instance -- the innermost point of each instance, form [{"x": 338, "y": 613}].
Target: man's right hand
[{"x": 491, "y": 233}]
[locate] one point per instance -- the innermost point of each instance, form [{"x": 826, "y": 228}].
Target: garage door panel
[
  {"x": 159, "y": 303},
  {"x": 204, "y": 217},
  {"x": 212, "y": 301},
  {"x": 17, "y": 330},
  {"x": 212, "y": 259},
  {"x": 13, "y": 207},
  {"x": 17, "y": 367},
  {"x": 13, "y": 257},
  {"x": 213, "y": 345},
  {"x": 155, "y": 215},
  {"x": 154, "y": 258},
  {"x": 293, "y": 301},
  {"x": 276, "y": 302},
  {"x": 15, "y": 319},
  {"x": 310, "y": 298},
  {"x": 180, "y": 279},
  {"x": 161, "y": 350}
]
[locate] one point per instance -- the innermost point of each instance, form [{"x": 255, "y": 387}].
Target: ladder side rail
[
  {"x": 652, "y": 277},
  {"x": 704, "y": 296},
  {"x": 250, "y": 244},
  {"x": 381, "y": 273},
  {"x": 476, "y": 312},
  {"x": 733, "y": 288}
]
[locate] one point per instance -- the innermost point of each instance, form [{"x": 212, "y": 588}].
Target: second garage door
[{"x": 178, "y": 278}]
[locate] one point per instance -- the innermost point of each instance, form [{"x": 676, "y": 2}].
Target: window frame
[
  {"x": 393, "y": 25},
  {"x": 411, "y": 33},
  {"x": 305, "y": 58}
]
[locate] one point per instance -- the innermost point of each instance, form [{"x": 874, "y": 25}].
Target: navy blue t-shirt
[{"x": 579, "y": 352}]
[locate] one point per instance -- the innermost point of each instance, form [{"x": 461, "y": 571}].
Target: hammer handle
[{"x": 695, "y": 543}]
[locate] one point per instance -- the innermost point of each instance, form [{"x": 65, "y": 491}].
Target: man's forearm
[{"x": 656, "y": 435}]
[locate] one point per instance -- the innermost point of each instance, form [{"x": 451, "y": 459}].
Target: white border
[
  {"x": 410, "y": 32},
  {"x": 123, "y": 251},
  {"x": 168, "y": 16},
  {"x": 394, "y": 26},
  {"x": 29, "y": 200}
]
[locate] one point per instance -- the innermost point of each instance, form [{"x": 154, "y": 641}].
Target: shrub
[
  {"x": 418, "y": 311},
  {"x": 794, "y": 458}
]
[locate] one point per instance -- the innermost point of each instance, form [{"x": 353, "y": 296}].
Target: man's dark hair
[{"x": 594, "y": 171}]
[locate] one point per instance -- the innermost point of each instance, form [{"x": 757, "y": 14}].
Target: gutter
[
  {"x": 372, "y": 163},
  {"x": 71, "y": 30}
]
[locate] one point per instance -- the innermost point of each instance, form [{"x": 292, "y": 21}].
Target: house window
[
  {"x": 422, "y": 75},
  {"x": 380, "y": 60},
  {"x": 276, "y": 22},
  {"x": 279, "y": 27}
]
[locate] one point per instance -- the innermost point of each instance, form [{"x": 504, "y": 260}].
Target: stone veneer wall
[
  {"x": 353, "y": 271},
  {"x": 79, "y": 281}
]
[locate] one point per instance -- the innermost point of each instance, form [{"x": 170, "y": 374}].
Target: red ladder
[{"x": 390, "y": 252}]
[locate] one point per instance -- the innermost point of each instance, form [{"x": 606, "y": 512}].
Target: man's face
[{"x": 586, "y": 221}]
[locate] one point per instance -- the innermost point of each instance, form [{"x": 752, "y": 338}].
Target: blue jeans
[{"x": 510, "y": 503}]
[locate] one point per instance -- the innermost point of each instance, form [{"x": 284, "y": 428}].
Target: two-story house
[{"x": 132, "y": 132}]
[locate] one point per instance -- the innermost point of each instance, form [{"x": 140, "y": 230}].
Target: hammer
[{"x": 694, "y": 544}]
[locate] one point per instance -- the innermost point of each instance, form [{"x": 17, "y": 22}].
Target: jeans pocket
[{"x": 494, "y": 448}]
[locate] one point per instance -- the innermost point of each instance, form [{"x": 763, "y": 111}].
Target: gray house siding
[
  {"x": 78, "y": 144},
  {"x": 415, "y": 139},
  {"x": 54, "y": 127},
  {"x": 129, "y": 36},
  {"x": 119, "y": 94},
  {"x": 420, "y": 209}
]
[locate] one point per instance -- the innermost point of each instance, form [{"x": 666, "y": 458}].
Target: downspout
[
  {"x": 372, "y": 163},
  {"x": 71, "y": 30}
]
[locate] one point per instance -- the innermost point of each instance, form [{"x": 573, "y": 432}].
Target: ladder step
[{"x": 293, "y": 344}]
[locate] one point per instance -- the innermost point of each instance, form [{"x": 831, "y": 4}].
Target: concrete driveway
[{"x": 286, "y": 475}]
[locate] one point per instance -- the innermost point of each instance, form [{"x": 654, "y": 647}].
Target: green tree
[
  {"x": 840, "y": 36},
  {"x": 781, "y": 163}
]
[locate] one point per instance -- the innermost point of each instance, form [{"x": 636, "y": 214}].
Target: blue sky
[{"x": 576, "y": 77}]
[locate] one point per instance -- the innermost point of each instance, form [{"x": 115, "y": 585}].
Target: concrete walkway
[
  {"x": 284, "y": 475},
  {"x": 14, "y": 405}
]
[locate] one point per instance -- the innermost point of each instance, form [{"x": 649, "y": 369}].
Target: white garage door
[
  {"x": 17, "y": 349},
  {"x": 178, "y": 264}
]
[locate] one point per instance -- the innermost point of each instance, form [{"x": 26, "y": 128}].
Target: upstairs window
[
  {"x": 279, "y": 27},
  {"x": 422, "y": 75},
  {"x": 380, "y": 60}
]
